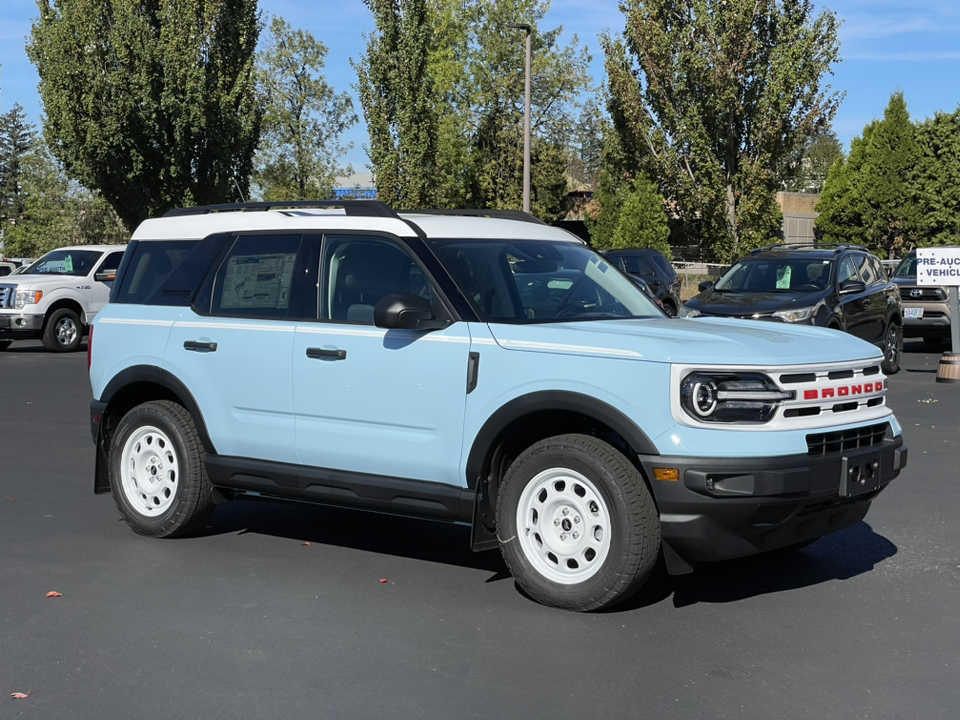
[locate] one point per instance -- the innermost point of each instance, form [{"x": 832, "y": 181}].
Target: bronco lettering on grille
[{"x": 844, "y": 390}]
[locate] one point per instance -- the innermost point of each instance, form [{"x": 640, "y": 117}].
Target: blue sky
[{"x": 885, "y": 45}]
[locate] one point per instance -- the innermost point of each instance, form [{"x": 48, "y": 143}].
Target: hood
[
  {"x": 42, "y": 282},
  {"x": 704, "y": 341},
  {"x": 745, "y": 304}
]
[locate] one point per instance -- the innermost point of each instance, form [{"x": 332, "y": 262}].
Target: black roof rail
[
  {"x": 481, "y": 212},
  {"x": 354, "y": 208},
  {"x": 836, "y": 247}
]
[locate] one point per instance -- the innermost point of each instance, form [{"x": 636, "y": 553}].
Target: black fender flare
[{"x": 551, "y": 400}]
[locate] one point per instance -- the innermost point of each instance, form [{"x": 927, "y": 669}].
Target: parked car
[
  {"x": 842, "y": 287},
  {"x": 493, "y": 371},
  {"x": 7, "y": 268},
  {"x": 56, "y": 297},
  {"x": 655, "y": 270},
  {"x": 926, "y": 308}
]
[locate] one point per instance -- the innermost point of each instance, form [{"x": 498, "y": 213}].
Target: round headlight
[{"x": 704, "y": 395}]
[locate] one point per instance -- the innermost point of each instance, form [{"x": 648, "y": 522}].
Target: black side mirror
[
  {"x": 705, "y": 285},
  {"x": 406, "y": 312},
  {"x": 852, "y": 287},
  {"x": 105, "y": 276}
]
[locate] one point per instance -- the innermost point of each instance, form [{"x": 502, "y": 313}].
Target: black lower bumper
[{"x": 722, "y": 508}]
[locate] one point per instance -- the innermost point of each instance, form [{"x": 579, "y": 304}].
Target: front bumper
[
  {"x": 722, "y": 508},
  {"x": 20, "y": 325}
]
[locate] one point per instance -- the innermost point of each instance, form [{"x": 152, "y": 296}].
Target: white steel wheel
[
  {"x": 150, "y": 471},
  {"x": 158, "y": 472},
  {"x": 563, "y": 526},
  {"x": 577, "y": 525}
]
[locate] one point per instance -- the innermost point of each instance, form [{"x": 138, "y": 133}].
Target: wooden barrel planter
[{"x": 949, "y": 369}]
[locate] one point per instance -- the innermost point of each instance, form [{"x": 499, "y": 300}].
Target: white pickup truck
[{"x": 57, "y": 297}]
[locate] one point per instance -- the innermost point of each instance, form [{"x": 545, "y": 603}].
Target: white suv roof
[{"x": 195, "y": 223}]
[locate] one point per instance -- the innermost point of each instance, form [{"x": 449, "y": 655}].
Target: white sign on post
[{"x": 938, "y": 266}]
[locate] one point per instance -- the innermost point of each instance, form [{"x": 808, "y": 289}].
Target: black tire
[
  {"x": 4, "y": 344},
  {"x": 606, "y": 492},
  {"x": 669, "y": 308},
  {"x": 892, "y": 349},
  {"x": 63, "y": 331},
  {"x": 164, "y": 491}
]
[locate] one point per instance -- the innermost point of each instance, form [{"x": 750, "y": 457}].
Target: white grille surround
[{"x": 824, "y": 395}]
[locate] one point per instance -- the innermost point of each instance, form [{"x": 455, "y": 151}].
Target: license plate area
[
  {"x": 913, "y": 313},
  {"x": 859, "y": 474}
]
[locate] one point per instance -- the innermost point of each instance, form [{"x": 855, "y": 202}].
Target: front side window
[
  {"x": 525, "y": 281},
  {"x": 848, "y": 271},
  {"x": 359, "y": 271},
  {"x": 769, "y": 275},
  {"x": 65, "y": 262}
]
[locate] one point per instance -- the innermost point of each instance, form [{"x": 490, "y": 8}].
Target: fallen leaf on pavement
[
  {"x": 20, "y": 696},
  {"x": 54, "y": 593},
  {"x": 306, "y": 543},
  {"x": 383, "y": 580}
]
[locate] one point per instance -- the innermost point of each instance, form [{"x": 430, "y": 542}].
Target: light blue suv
[{"x": 477, "y": 367}]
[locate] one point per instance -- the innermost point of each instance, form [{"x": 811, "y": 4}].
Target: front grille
[
  {"x": 7, "y": 293},
  {"x": 927, "y": 294},
  {"x": 846, "y": 440}
]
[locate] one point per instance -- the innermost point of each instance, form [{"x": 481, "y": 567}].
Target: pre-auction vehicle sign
[{"x": 938, "y": 266}]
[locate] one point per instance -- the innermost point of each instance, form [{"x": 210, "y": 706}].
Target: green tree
[
  {"x": 935, "y": 180},
  {"x": 643, "y": 221},
  {"x": 820, "y": 153},
  {"x": 300, "y": 152},
  {"x": 152, "y": 104},
  {"x": 715, "y": 98},
  {"x": 16, "y": 139},
  {"x": 397, "y": 95},
  {"x": 57, "y": 212},
  {"x": 841, "y": 208}
]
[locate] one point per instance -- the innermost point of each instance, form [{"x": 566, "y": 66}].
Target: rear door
[{"x": 855, "y": 307}]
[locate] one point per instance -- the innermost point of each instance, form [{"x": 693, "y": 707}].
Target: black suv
[
  {"x": 655, "y": 270},
  {"x": 842, "y": 287}
]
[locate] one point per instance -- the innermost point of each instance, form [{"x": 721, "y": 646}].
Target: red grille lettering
[
  {"x": 811, "y": 394},
  {"x": 843, "y": 391},
  {"x": 856, "y": 389},
  {"x": 826, "y": 393}
]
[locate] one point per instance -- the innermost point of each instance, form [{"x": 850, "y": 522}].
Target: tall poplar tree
[
  {"x": 16, "y": 140},
  {"x": 151, "y": 103},
  {"x": 714, "y": 98}
]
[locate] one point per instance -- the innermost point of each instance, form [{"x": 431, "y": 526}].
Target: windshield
[
  {"x": 908, "y": 268},
  {"x": 65, "y": 262},
  {"x": 770, "y": 275},
  {"x": 535, "y": 281}
]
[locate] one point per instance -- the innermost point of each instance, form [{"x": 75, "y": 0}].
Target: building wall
[{"x": 799, "y": 216}]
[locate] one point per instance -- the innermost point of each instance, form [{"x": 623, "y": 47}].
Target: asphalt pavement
[{"x": 280, "y": 610}]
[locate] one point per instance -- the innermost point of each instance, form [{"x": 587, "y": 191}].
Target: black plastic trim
[
  {"x": 481, "y": 212},
  {"x": 551, "y": 400},
  {"x": 399, "y": 496},
  {"x": 352, "y": 208},
  {"x": 473, "y": 371}
]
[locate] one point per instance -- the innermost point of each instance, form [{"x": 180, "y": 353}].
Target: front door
[{"x": 383, "y": 402}]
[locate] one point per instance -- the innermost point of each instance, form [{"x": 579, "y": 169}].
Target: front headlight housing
[
  {"x": 731, "y": 397},
  {"x": 685, "y": 312},
  {"x": 27, "y": 297},
  {"x": 799, "y": 314}
]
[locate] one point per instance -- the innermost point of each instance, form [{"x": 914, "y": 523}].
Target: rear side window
[
  {"x": 151, "y": 263},
  {"x": 869, "y": 272}
]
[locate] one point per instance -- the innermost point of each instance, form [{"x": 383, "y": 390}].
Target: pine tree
[{"x": 16, "y": 139}]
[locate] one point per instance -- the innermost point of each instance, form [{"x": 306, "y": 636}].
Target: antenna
[{"x": 239, "y": 191}]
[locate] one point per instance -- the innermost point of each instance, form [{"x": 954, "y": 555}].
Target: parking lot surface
[{"x": 280, "y": 610}]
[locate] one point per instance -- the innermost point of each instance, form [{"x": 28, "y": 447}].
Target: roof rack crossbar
[
  {"x": 482, "y": 212},
  {"x": 353, "y": 208},
  {"x": 836, "y": 247}
]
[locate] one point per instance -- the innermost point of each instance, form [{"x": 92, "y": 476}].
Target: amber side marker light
[{"x": 666, "y": 474}]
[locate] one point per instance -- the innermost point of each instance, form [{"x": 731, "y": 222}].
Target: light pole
[{"x": 526, "y": 113}]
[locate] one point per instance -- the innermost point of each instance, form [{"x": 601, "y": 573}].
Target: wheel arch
[
  {"x": 528, "y": 419},
  {"x": 70, "y": 304}
]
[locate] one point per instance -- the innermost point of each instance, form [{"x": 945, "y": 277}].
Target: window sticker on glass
[
  {"x": 68, "y": 264},
  {"x": 783, "y": 277},
  {"x": 258, "y": 281}
]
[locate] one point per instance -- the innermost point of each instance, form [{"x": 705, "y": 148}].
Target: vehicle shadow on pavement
[
  {"x": 439, "y": 542},
  {"x": 838, "y": 556}
]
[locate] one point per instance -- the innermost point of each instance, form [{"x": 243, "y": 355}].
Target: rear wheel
[
  {"x": 577, "y": 525},
  {"x": 157, "y": 472},
  {"x": 63, "y": 331},
  {"x": 892, "y": 348}
]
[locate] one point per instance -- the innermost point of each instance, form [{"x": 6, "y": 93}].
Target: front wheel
[
  {"x": 892, "y": 349},
  {"x": 577, "y": 525},
  {"x": 157, "y": 473},
  {"x": 63, "y": 331}
]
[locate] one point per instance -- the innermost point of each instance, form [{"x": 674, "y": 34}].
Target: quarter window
[{"x": 867, "y": 272}]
